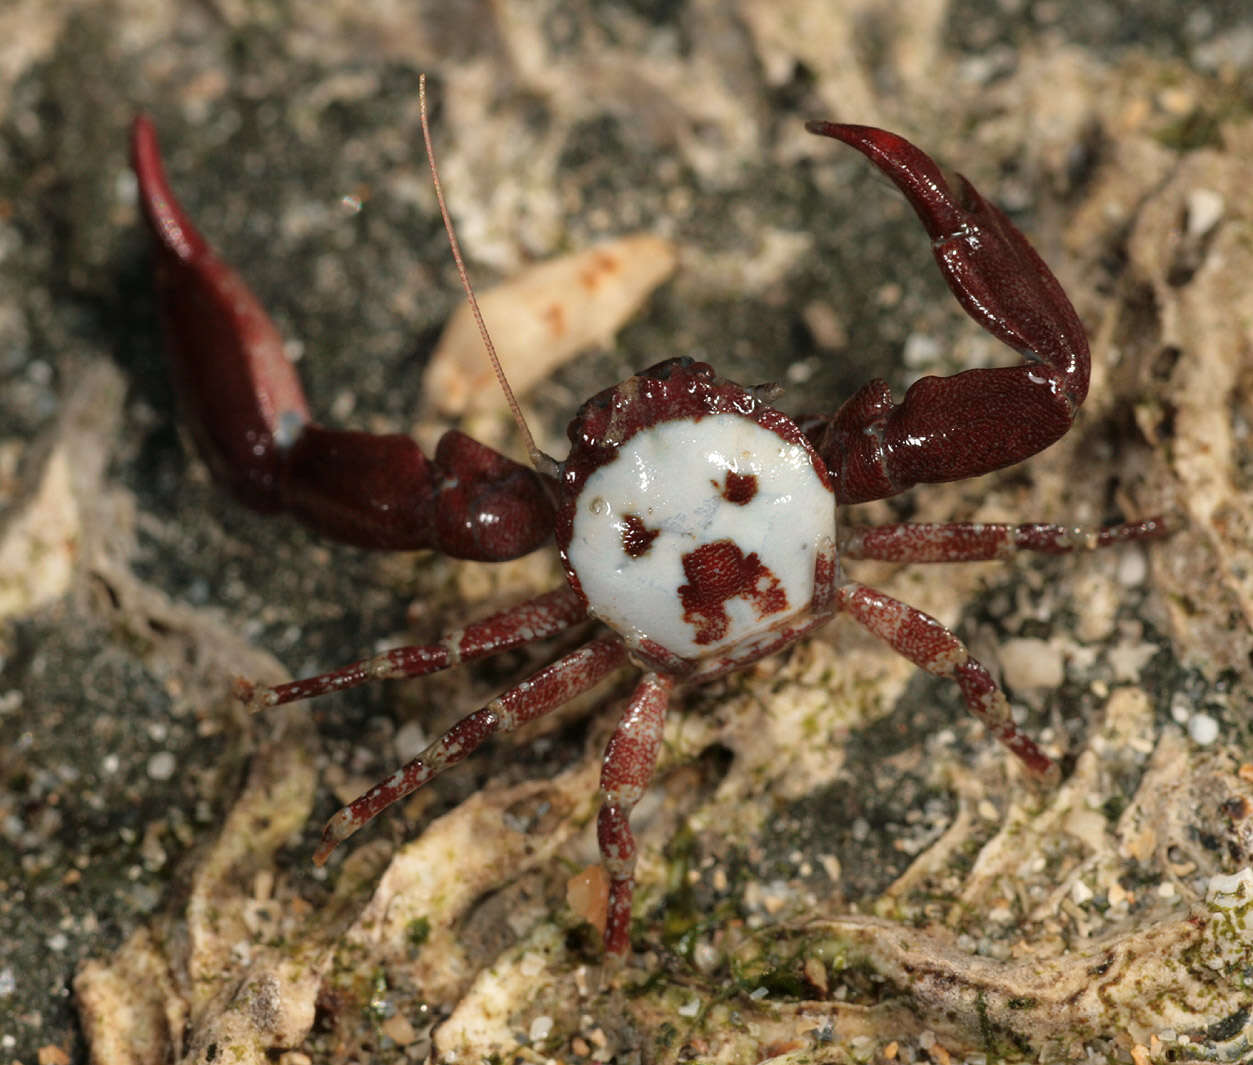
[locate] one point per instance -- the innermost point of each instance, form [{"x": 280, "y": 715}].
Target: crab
[{"x": 695, "y": 522}]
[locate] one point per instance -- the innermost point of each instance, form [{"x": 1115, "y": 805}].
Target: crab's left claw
[{"x": 949, "y": 428}]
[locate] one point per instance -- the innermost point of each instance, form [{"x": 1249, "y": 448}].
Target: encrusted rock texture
[{"x": 835, "y": 863}]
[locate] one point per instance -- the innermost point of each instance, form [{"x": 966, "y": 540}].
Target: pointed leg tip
[
  {"x": 1043, "y": 773},
  {"x": 1165, "y": 524},
  {"x": 337, "y": 829},
  {"x": 1049, "y": 777},
  {"x": 255, "y": 697},
  {"x": 324, "y": 851},
  {"x": 616, "y": 946}
]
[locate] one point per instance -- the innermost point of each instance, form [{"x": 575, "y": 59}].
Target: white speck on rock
[
  {"x": 1133, "y": 568},
  {"x": 1031, "y": 663},
  {"x": 1203, "y": 729},
  {"x": 1129, "y": 658},
  {"x": 1179, "y": 711},
  {"x": 410, "y": 740},
  {"x": 1205, "y": 209},
  {"x": 161, "y": 766},
  {"x": 921, "y": 350}
]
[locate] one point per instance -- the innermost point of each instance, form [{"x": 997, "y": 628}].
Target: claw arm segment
[
  {"x": 630, "y": 759},
  {"x": 537, "y": 695},
  {"x": 247, "y": 411},
  {"x": 971, "y": 541},
  {"x": 380, "y": 491},
  {"x": 930, "y": 646},
  {"x": 950, "y": 428},
  {"x": 536, "y": 619}
]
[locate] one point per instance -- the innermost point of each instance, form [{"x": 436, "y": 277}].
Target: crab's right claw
[{"x": 246, "y": 409}]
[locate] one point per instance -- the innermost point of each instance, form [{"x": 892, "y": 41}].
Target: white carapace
[{"x": 703, "y": 534}]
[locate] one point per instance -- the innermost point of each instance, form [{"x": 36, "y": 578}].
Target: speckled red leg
[
  {"x": 980, "y": 420},
  {"x": 929, "y": 645},
  {"x": 536, "y": 696},
  {"x": 245, "y": 407},
  {"x": 630, "y": 759},
  {"x": 969, "y": 541},
  {"x": 536, "y": 619}
]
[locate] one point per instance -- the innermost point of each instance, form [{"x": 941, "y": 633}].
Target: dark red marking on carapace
[
  {"x": 637, "y": 537},
  {"x": 719, "y": 572},
  {"x": 738, "y": 488}
]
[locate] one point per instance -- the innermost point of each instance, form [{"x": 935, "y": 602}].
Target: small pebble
[
  {"x": 1203, "y": 729},
  {"x": 921, "y": 350},
  {"x": 1031, "y": 663},
  {"x": 1179, "y": 711},
  {"x": 161, "y": 766},
  {"x": 1205, "y": 209},
  {"x": 399, "y": 1030},
  {"x": 1133, "y": 568}
]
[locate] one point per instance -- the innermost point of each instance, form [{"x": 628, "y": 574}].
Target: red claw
[
  {"x": 238, "y": 390},
  {"x": 950, "y": 428},
  {"x": 246, "y": 409}
]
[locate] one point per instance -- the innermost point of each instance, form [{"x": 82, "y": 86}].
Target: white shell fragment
[
  {"x": 1205, "y": 209},
  {"x": 542, "y": 318}
]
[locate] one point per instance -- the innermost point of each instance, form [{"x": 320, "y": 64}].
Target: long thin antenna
[{"x": 543, "y": 463}]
